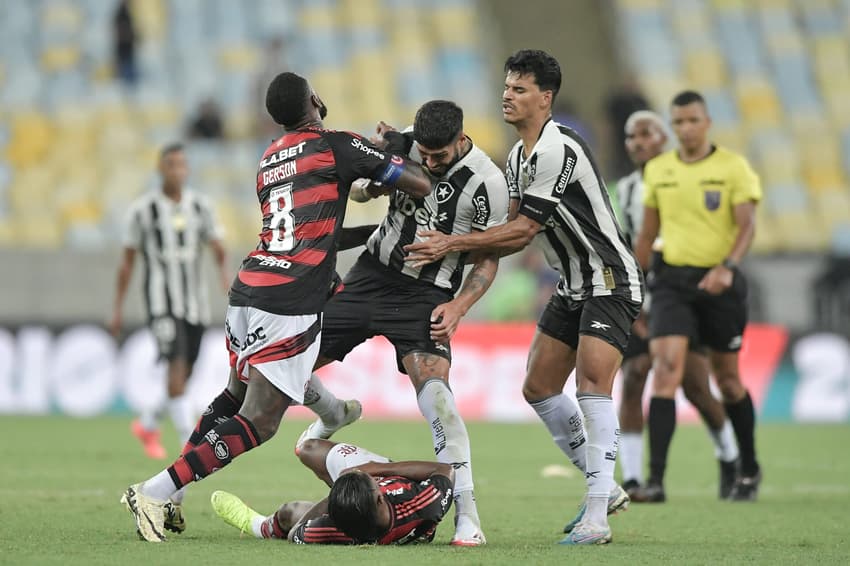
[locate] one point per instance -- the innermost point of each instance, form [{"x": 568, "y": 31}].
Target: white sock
[
  {"x": 725, "y": 446},
  {"x": 451, "y": 441},
  {"x": 183, "y": 416},
  {"x": 257, "y": 525},
  {"x": 603, "y": 431},
  {"x": 149, "y": 418},
  {"x": 160, "y": 487},
  {"x": 631, "y": 456},
  {"x": 177, "y": 496},
  {"x": 563, "y": 419},
  {"x": 322, "y": 402}
]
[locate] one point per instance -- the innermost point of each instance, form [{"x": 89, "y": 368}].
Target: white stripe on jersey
[
  {"x": 630, "y": 197},
  {"x": 169, "y": 236},
  {"x": 471, "y": 195},
  {"x": 582, "y": 234}
]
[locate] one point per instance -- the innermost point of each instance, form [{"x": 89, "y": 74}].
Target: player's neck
[
  {"x": 691, "y": 156},
  {"x": 529, "y": 131},
  {"x": 172, "y": 192},
  {"x": 308, "y": 123}
]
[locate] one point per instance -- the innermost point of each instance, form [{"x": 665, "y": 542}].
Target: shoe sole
[
  {"x": 174, "y": 526},
  {"x": 351, "y": 416},
  {"x": 129, "y": 501}
]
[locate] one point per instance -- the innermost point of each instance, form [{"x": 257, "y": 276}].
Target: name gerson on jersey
[
  {"x": 415, "y": 510},
  {"x": 302, "y": 187}
]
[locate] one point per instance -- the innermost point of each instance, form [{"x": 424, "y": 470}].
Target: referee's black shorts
[
  {"x": 377, "y": 300},
  {"x": 679, "y": 308}
]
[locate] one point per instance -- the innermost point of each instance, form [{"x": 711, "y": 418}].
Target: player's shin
[
  {"x": 182, "y": 415},
  {"x": 563, "y": 419},
  {"x": 222, "y": 408},
  {"x": 451, "y": 441},
  {"x": 218, "y": 448},
  {"x": 603, "y": 431}
]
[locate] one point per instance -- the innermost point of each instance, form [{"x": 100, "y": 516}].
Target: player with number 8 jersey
[{"x": 273, "y": 322}]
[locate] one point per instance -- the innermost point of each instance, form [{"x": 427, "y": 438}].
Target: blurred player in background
[
  {"x": 566, "y": 208},
  {"x": 646, "y": 137},
  {"x": 372, "y": 500},
  {"x": 416, "y": 308},
  {"x": 703, "y": 198},
  {"x": 273, "y": 321},
  {"x": 169, "y": 227}
]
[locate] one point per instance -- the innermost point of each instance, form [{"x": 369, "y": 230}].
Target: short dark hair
[
  {"x": 437, "y": 123},
  {"x": 688, "y": 97},
  {"x": 352, "y": 507},
  {"x": 169, "y": 149},
  {"x": 544, "y": 67},
  {"x": 287, "y": 99}
]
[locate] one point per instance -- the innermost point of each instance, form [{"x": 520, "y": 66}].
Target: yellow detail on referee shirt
[{"x": 696, "y": 201}]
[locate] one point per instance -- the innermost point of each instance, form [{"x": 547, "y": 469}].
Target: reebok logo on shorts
[{"x": 596, "y": 325}]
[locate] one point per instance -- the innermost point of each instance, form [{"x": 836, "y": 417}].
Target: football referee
[{"x": 703, "y": 198}]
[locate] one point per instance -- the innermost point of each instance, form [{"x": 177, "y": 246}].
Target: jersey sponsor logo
[
  {"x": 443, "y": 192},
  {"x": 482, "y": 210},
  {"x": 712, "y": 199},
  {"x": 357, "y": 144},
  {"x": 397, "y": 491},
  {"x": 272, "y": 261},
  {"x": 566, "y": 173},
  {"x": 444, "y": 502},
  {"x": 596, "y": 325},
  {"x": 285, "y": 153},
  {"x": 408, "y": 206}
]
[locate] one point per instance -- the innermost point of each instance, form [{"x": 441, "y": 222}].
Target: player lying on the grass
[{"x": 372, "y": 500}]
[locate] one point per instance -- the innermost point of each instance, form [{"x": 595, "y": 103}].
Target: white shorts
[
  {"x": 281, "y": 347},
  {"x": 344, "y": 456}
]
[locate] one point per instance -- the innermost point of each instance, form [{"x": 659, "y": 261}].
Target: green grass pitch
[{"x": 60, "y": 481}]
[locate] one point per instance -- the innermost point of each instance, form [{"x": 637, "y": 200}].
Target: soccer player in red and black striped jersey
[
  {"x": 372, "y": 500},
  {"x": 274, "y": 315}
]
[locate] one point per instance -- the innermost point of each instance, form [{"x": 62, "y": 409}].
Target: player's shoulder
[
  {"x": 143, "y": 199},
  {"x": 666, "y": 159},
  {"x": 733, "y": 159},
  {"x": 484, "y": 167},
  {"x": 627, "y": 180},
  {"x": 514, "y": 152}
]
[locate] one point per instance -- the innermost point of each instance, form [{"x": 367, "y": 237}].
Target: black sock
[
  {"x": 222, "y": 408},
  {"x": 743, "y": 417},
  {"x": 662, "y": 423}
]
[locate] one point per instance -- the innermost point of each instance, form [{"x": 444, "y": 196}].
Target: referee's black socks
[
  {"x": 662, "y": 423},
  {"x": 743, "y": 417}
]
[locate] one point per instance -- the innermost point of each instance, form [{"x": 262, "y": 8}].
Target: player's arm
[
  {"x": 317, "y": 510},
  {"x": 355, "y": 236},
  {"x": 220, "y": 258},
  {"x": 125, "y": 272},
  {"x": 446, "y": 317},
  {"x": 415, "y": 470},
  {"x": 649, "y": 229}
]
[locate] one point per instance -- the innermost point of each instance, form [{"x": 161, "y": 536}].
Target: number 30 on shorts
[{"x": 282, "y": 223}]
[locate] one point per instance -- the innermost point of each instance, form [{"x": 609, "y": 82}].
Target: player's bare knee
[
  {"x": 730, "y": 386},
  {"x": 309, "y": 450}
]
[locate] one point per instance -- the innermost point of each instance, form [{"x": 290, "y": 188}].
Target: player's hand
[
  {"x": 717, "y": 280},
  {"x": 382, "y": 128},
  {"x": 115, "y": 324},
  {"x": 433, "y": 248},
  {"x": 444, "y": 321}
]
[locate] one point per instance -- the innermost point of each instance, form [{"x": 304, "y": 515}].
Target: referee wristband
[{"x": 729, "y": 263}]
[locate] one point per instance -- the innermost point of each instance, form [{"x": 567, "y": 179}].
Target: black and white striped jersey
[
  {"x": 472, "y": 195},
  {"x": 630, "y": 197},
  {"x": 561, "y": 188},
  {"x": 169, "y": 235}
]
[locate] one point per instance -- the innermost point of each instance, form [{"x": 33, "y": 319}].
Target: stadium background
[{"x": 79, "y": 136}]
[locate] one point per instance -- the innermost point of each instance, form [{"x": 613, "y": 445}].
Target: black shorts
[
  {"x": 609, "y": 318},
  {"x": 377, "y": 300},
  {"x": 679, "y": 308},
  {"x": 177, "y": 339},
  {"x": 637, "y": 346}
]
